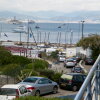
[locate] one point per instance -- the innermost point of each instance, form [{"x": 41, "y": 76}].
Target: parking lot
[{"x": 59, "y": 67}]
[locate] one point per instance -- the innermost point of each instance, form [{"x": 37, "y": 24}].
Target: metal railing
[{"x": 90, "y": 89}]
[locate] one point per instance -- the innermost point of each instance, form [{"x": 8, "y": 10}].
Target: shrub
[
  {"x": 20, "y": 60},
  {"x": 39, "y": 64},
  {"x": 39, "y": 98},
  {"x": 48, "y": 73},
  {"x": 56, "y": 77},
  {"x": 54, "y": 54},
  {"x": 11, "y": 69},
  {"x": 5, "y": 57},
  {"x": 26, "y": 73}
]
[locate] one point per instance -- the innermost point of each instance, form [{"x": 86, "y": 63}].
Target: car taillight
[
  {"x": 17, "y": 93},
  {"x": 69, "y": 81},
  {"x": 31, "y": 88}
]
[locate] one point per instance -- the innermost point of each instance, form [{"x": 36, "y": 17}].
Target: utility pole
[{"x": 82, "y": 28}]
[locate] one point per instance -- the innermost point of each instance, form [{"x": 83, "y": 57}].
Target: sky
[{"x": 50, "y": 5}]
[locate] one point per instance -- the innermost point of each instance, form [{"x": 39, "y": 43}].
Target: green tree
[
  {"x": 93, "y": 42},
  {"x": 54, "y": 54}
]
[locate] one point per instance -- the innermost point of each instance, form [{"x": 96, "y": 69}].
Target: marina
[{"x": 69, "y": 33}]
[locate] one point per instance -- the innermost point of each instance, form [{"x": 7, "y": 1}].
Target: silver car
[
  {"x": 69, "y": 63},
  {"x": 40, "y": 85}
]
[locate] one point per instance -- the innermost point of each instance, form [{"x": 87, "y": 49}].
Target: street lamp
[{"x": 82, "y": 28}]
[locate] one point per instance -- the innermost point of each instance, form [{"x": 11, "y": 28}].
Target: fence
[
  {"x": 4, "y": 79},
  {"x": 90, "y": 89}
]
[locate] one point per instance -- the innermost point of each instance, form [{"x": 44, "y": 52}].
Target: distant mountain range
[{"x": 53, "y": 16}]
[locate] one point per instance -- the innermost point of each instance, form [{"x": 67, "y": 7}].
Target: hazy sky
[{"x": 45, "y": 5}]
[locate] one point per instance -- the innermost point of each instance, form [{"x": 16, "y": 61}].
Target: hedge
[{"x": 39, "y": 98}]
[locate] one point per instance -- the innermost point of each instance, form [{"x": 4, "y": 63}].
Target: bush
[
  {"x": 26, "y": 73},
  {"x": 40, "y": 98},
  {"x": 39, "y": 64},
  {"x": 54, "y": 54},
  {"x": 20, "y": 60},
  {"x": 47, "y": 73},
  {"x": 11, "y": 69},
  {"x": 56, "y": 77},
  {"x": 5, "y": 57}
]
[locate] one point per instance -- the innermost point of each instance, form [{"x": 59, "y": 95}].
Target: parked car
[
  {"x": 69, "y": 63},
  {"x": 40, "y": 85},
  {"x": 89, "y": 61},
  {"x": 78, "y": 58},
  {"x": 72, "y": 81},
  {"x": 77, "y": 70},
  {"x": 74, "y": 59},
  {"x": 12, "y": 91},
  {"x": 61, "y": 58}
]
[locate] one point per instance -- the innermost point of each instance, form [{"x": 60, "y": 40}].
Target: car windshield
[
  {"x": 77, "y": 68},
  {"x": 8, "y": 91},
  {"x": 89, "y": 59},
  {"x": 32, "y": 80},
  {"x": 69, "y": 60}
]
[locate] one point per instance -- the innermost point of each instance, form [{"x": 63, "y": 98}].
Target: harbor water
[{"x": 48, "y": 32}]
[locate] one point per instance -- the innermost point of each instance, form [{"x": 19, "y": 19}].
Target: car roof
[
  {"x": 36, "y": 77},
  {"x": 14, "y": 86},
  {"x": 75, "y": 74},
  {"x": 76, "y": 67}
]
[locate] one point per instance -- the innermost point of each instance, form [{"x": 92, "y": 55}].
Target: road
[{"x": 59, "y": 67}]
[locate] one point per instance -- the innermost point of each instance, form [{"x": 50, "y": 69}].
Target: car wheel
[
  {"x": 37, "y": 93},
  {"x": 74, "y": 88},
  {"x": 55, "y": 89}
]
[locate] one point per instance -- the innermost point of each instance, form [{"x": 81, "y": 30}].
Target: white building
[{"x": 71, "y": 52}]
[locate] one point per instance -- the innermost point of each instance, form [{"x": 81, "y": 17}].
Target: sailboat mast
[
  {"x": 20, "y": 38},
  {"x": 59, "y": 38},
  {"x": 71, "y": 37},
  {"x": 0, "y": 32},
  {"x": 45, "y": 35},
  {"x": 27, "y": 37},
  {"x": 48, "y": 37}
]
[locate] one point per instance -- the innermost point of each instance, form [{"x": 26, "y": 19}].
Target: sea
[{"x": 48, "y": 32}]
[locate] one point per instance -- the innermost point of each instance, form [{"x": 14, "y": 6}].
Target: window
[
  {"x": 44, "y": 81},
  {"x": 79, "y": 78},
  {"x": 8, "y": 91},
  {"x": 32, "y": 80}
]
